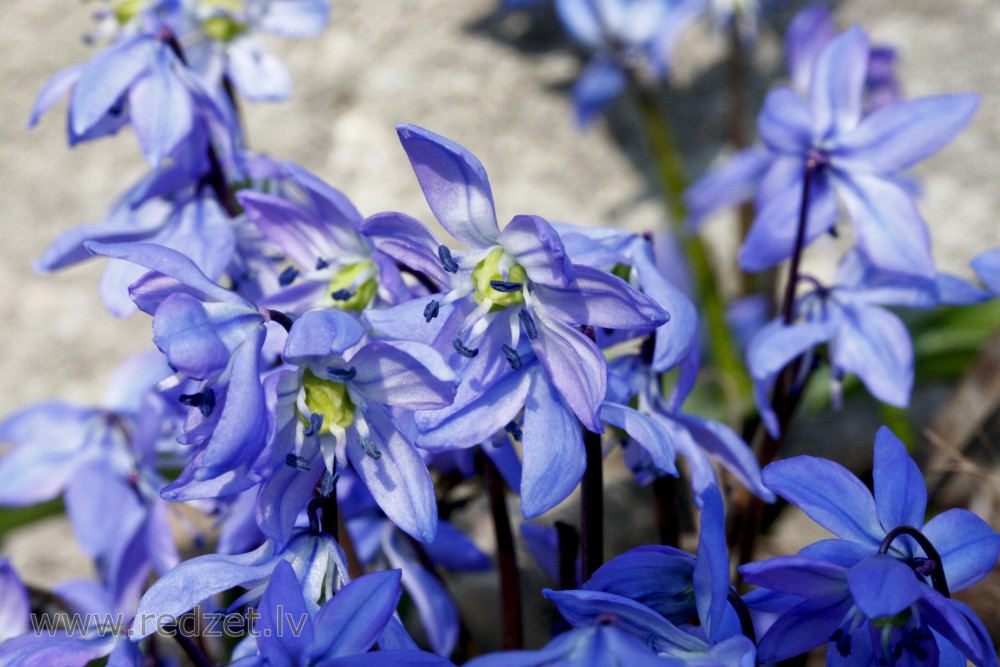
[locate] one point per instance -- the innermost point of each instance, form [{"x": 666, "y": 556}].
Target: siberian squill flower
[
  {"x": 624, "y": 37},
  {"x": 880, "y": 592}
]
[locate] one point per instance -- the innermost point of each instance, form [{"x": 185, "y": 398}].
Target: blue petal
[
  {"x": 257, "y": 74},
  {"x": 802, "y": 576},
  {"x": 15, "y": 607},
  {"x": 896, "y": 137},
  {"x": 968, "y": 546},
  {"x": 644, "y": 431},
  {"x": 398, "y": 478},
  {"x": 56, "y": 650},
  {"x": 408, "y": 242},
  {"x": 284, "y": 629},
  {"x": 160, "y": 108},
  {"x": 785, "y": 122},
  {"x": 353, "y": 619},
  {"x": 804, "y": 627},
  {"x": 581, "y": 21},
  {"x": 320, "y": 333},
  {"x": 455, "y": 185},
  {"x": 295, "y": 18},
  {"x": 890, "y": 231},
  {"x": 711, "y": 569},
  {"x": 656, "y": 576},
  {"x": 837, "y": 86},
  {"x": 729, "y": 448},
  {"x": 883, "y": 586},
  {"x": 829, "y": 494},
  {"x": 543, "y": 544},
  {"x": 407, "y": 375},
  {"x": 600, "y": 82},
  {"x": 554, "y": 458},
  {"x": 957, "y": 623},
  {"x": 106, "y": 77},
  {"x": 875, "y": 345},
  {"x": 678, "y": 336},
  {"x": 987, "y": 267},
  {"x": 183, "y": 331},
  {"x": 537, "y": 247},
  {"x": 54, "y": 88},
  {"x": 809, "y": 31},
  {"x": 600, "y": 299},
  {"x": 452, "y": 549},
  {"x": 734, "y": 182},
  {"x": 437, "y": 610},
  {"x": 900, "y": 492}
]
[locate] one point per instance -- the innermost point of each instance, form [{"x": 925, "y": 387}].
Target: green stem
[{"x": 673, "y": 183}]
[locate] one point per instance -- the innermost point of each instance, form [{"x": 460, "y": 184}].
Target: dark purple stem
[
  {"x": 937, "y": 574},
  {"x": 788, "y": 306},
  {"x": 667, "y": 510},
  {"x": 569, "y": 547},
  {"x": 189, "y": 646},
  {"x": 510, "y": 577},
  {"x": 592, "y": 508}
]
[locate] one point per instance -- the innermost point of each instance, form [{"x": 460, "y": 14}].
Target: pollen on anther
[
  {"x": 447, "y": 261},
  {"x": 288, "y": 276},
  {"x": 463, "y": 350},
  {"x": 341, "y": 295},
  {"x": 431, "y": 310},
  {"x": 528, "y": 323},
  {"x": 370, "y": 449},
  {"x": 297, "y": 462},
  {"x": 513, "y": 358}
]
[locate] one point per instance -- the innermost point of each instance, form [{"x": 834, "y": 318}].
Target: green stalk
[{"x": 673, "y": 183}]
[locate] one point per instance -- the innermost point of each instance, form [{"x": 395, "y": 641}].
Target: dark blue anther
[
  {"x": 513, "y": 358},
  {"x": 431, "y": 310},
  {"x": 514, "y": 430},
  {"x": 321, "y": 264},
  {"x": 370, "y": 449},
  {"x": 315, "y": 424},
  {"x": 462, "y": 350},
  {"x": 342, "y": 375},
  {"x": 288, "y": 276},
  {"x": 528, "y": 323},
  {"x": 328, "y": 483},
  {"x": 843, "y": 642},
  {"x": 203, "y": 400},
  {"x": 341, "y": 295},
  {"x": 297, "y": 462},
  {"x": 504, "y": 286},
  {"x": 449, "y": 264}
]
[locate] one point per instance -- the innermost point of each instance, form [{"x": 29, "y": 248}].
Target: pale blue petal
[
  {"x": 353, "y": 619},
  {"x": 900, "y": 491},
  {"x": 437, "y": 610},
  {"x": 875, "y": 345},
  {"x": 537, "y": 247},
  {"x": 106, "y": 77},
  {"x": 600, "y": 82},
  {"x": 837, "y": 86},
  {"x": 968, "y": 546},
  {"x": 402, "y": 374},
  {"x": 785, "y": 123},
  {"x": 732, "y": 183},
  {"x": 259, "y": 76},
  {"x": 644, "y": 431}
]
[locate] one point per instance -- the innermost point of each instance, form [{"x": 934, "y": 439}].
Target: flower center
[
  {"x": 330, "y": 399},
  {"x": 126, "y": 10},
  {"x": 223, "y": 22},
  {"x": 354, "y": 286},
  {"x": 491, "y": 284}
]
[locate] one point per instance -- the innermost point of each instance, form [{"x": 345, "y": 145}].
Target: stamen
[
  {"x": 505, "y": 286},
  {"x": 328, "y": 483},
  {"x": 462, "y": 350},
  {"x": 288, "y": 276},
  {"x": 342, "y": 375},
  {"x": 843, "y": 642},
  {"x": 315, "y": 424},
  {"x": 449, "y": 264},
  {"x": 321, "y": 263},
  {"x": 341, "y": 295},
  {"x": 431, "y": 310},
  {"x": 513, "y": 358},
  {"x": 528, "y": 323},
  {"x": 297, "y": 462},
  {"x": 370, "y": 448},
  {"x": 203, "y": 400},
  {"x": 514, "y": 430}
]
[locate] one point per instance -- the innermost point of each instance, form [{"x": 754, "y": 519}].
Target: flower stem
[
  {"x": 673, "y": 183},
  {"x": 569, "y": 545},
  {"x": 592, "y": 506},
  {"x": 194, "y": 653},
  {"x": 667, "y": 510},
  {"x": 510, "y": 577},
  {"x": 937, "y": 574}
]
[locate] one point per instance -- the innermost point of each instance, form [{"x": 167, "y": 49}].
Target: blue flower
[{"x": 869, "y": 591}]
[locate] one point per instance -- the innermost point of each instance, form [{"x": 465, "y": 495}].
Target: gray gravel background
[{"x": 460, "y": 69}]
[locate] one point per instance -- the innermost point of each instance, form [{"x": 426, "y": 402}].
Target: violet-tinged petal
[
  {"x": 600, "y": 82},
  {"x": 677, "y": 337},
  {"x": 320, "y": 333},
  {"x": 804, "y": 627},
  {"x": 900, "y": 491},
  {"x": 829, "y": 494},
  {"x": 408, "y": 242},
  {"x": 644, "y": 431},
  {"x": 106, "y": 77},
  {"x": 987, "y": 267},
  {"x": 195, "y": 580},
  {"x": 729, "y": 448},
  {"x": 581, "y": 21},
  {"x": 353, "y": 619},
  {"x": 413, "y": 376},
  {"x": 57, "y": 86},
  {"x": 537, "y": 247},
  {"x": 56, "y": 650},
  {"x": 282, "y": 497},
  {"x": 957, "y": 623},
  {"x": 574, "y": 365},
  {"x": 554, "y": 458},
  {"x": 295, "y": 18},
  {"x": 785, "y": 122},
  {"x": 506, "y": 460},
  {"x": 455, "y": 185},
  {"x": 802, "y": 576},
  {"x": 95, "y": 489},
  {"x": 160, "y": 108},
  {"x": 183, "y": 331},
  {"x": 883, "y": 586},
  {"x": 955, "y": 291},
  {"x": 398, "y": 478},
  {"x": 543, "y": 544},
  {"x": 774, "y": 231},
  {"x": 407, "y": 321},
  {"x": 711, "y": 568},
  {"x": 583, "y": 609},
  {"x": 600, "y": 299},
  {"x": 838, "y": 81},
  {"x": 435, "y": 607},
  {"x": 875, "y": 345},
  {"x": 15, "y": 607},
  {"x": 898, "y": 136},
  {"x": 453, "y": 550},
  {"x": 700, "y": 467},
  {"x": 168, "y": 262},
  {"x": 732, "y": 183},
  {"x": 295, "y": 230},
  {"x": 257, "y": 74},
  {"x": 656, "y": 576},
  {"x": 809, "y": 31},
  {"x": 890, "y": 230},
  {"x": 968, "y": 546},
  {"x": 68, "y": 248},
  {"x": 284, "y": 628},
  {"x": 843, "y": 553},
  {"x": 477, "y": 420}
]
